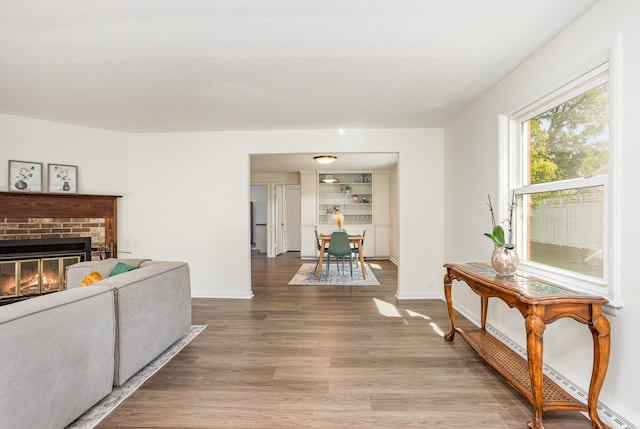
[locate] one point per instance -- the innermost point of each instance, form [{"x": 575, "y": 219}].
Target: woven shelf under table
[{"x": 515, "y": 369}]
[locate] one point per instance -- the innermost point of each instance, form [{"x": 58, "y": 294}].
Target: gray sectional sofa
[{"x": 63, "y": 352}]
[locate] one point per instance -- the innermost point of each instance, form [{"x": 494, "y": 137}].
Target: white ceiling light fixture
[{"x": 325, "y": 159}]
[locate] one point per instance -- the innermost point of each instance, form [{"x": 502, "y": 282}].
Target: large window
[{"x": 559, "y": 177}]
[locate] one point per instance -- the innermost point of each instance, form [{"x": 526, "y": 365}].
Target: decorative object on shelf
[
  {"x": 364, "y": 200},
  {"x": 329, "y": 179},
  {"x": 325, "y": 159},
  {"x": 365, "y": 178},
  {"x": 355, "y": 198},
  {"x": 338, "y": 219},
  {"x": 504, "y": 258},
  {"x": 25, "y": 176},
  {"x": 63, "y": 178}
]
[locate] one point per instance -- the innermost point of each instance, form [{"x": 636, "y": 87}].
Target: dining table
[{"x": 356, "y": 239}]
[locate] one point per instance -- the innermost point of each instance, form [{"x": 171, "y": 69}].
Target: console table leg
[
  {"x": 600, "y": 329},
  {"x": 452, "y": 317},
  {"x": 535, "y": 326},
  {"x": 484, "y": 304}
]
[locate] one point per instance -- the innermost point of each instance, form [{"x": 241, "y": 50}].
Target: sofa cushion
[
  {"x": 105, "y": 266},
  {"x": 91, "y": 278},
  {"x": 153, "y": 310},
  {"x": 76, "y": 272},
  {"x": 57, "y": 354}
]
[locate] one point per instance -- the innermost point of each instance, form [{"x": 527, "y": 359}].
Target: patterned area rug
[
  {"x": 306, "y": 277},
  {"x": 99, "y": 411}
]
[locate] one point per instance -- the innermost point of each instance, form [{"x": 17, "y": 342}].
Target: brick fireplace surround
[
  {"x": 34, "y": 228},
  {"x": 47, "y": 215}
]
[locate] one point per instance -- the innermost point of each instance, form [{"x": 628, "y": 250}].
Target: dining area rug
[{"x": 307, "y": 277}]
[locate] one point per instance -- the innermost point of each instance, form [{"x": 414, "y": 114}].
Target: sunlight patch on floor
[
  {"x": 436, "y": 329},
  {"x": 386, "y": 309},
  {"x": 414, "y": 314},
  {"x": 433, "y": 325},
  {"x": 390, "y": 310}
]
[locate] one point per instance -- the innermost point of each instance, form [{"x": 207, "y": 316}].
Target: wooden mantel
[{"x": 44, "y": 205}]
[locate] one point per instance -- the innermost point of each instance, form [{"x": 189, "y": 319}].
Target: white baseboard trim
[{"x": 407, "y": 296}]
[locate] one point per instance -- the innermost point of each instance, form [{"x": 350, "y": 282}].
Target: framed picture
[
  {"x": 63, "y": 178},
  {"x": 25, "y": 176}
]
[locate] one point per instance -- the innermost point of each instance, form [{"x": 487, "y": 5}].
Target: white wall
[
  {"x": 185, "y": 195},
  {"x": 393, "y": 213},
  {"x": 189, "y": 195},
  {"x": 276, "y": 178},
  {"x": 471, "y": 167},
  {"x": 101, "y": 156}
]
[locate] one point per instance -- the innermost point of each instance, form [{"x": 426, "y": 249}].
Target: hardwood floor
[{"x": 326, "y": 357}]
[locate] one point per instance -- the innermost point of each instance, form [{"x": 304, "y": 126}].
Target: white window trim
[{"x": 508, "y": 173}]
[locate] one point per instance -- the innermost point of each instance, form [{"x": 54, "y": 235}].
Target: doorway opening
[{"x": 291, "y": 185}]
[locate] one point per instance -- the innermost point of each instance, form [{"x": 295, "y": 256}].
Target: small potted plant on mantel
[{"x": 504, "y": 258}]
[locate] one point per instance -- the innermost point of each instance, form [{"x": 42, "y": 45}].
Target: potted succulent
[{"x": 504, "y": 258}]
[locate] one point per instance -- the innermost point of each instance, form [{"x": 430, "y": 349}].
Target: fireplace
[
  {"x": 33, "y": 267},
  {"x": 39, "y": 238}
]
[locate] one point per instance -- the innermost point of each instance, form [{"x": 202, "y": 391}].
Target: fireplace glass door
[
  {"x": 34, "y": 276},
  {"x": 8, "y": 278},
  {"x": 28, "y": 277}
]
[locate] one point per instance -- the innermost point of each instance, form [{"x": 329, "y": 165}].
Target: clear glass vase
[{"x": 504, "y": 261}]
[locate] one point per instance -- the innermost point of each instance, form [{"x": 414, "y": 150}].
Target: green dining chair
[
  {"x": 356, "y": 250},
  {"x": 340, "y": 248}
]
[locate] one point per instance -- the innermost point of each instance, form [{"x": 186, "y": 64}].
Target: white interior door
[
  {"x": 280, "y": 229},
  {"x": 292, "y": 218}
]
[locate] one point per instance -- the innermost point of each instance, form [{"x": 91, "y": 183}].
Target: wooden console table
[{"x": 540, "y": 303}]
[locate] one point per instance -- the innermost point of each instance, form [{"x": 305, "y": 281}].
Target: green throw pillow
[{"x": 121, "y": 268}]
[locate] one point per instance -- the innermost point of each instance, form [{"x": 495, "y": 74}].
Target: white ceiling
[{"x": 197, "y": 65}]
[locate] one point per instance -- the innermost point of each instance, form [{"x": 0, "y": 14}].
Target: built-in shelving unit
[{"x": 347, "y": 193}]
